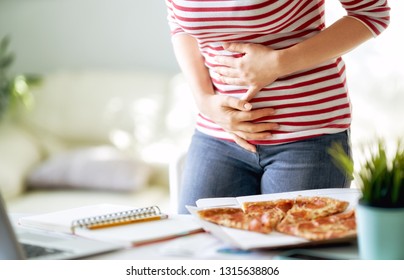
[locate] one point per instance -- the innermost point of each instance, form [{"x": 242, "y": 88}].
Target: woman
[{"x": 270, "y": 85}]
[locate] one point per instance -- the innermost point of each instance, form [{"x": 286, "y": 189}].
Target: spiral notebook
[
  {"x": 125, "y": 217},
  {"x": 115, "y": 223}
]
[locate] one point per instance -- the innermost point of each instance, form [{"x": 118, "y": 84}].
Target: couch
[{"x": 94, "y": 136}]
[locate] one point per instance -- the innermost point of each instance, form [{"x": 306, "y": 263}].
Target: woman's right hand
[
  {"x": 232, "y": 114},
  {"x": 237, "y": 117}
]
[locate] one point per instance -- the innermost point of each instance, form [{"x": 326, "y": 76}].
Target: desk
[{"x": 207, "y": 247}]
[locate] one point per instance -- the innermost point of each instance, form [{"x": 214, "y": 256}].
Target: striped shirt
[{"x": 308, "y": 103}]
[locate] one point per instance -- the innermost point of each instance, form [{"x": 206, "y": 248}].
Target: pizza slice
[
  {"x": 262, "y": 206},
  {"x": 334, "y": 226},
  {"x": 236, "y": 218},
  {"x": 272, "y": 211},
  {"x": 309, "y": 208},
  {"x": 309, "y": 217}
]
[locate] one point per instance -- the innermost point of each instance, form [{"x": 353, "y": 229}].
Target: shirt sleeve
[
  {"x": 175, "y": 28},
  {"x": 375, "y": 14}
]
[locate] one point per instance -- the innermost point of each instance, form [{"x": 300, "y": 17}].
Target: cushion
[
  {"x": 19, "y": 152},
  {"x": 98, "y": 168}
]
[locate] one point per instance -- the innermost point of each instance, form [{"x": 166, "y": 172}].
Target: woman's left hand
[{"x": 257, "y": 67}]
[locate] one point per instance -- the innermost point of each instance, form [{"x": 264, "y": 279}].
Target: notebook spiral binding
[{"x": 117, "y": 218}]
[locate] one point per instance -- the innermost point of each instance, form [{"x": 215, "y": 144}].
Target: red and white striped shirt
[{"x": 308, "y": 103}]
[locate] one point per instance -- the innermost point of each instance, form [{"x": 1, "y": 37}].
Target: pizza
[
  {"x": 309, "y": 208},
  {"x": 273, "y": 211},
  {"x": 313, "y": 218},
  {"x": 329, "y": 227},
  {"x": 236, "y": 218},
  {"x": 260, "y": 206}
]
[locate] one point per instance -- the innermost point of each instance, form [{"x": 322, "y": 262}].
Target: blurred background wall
[{"x": 49, "y": 35}]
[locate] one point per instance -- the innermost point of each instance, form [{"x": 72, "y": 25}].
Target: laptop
[{"x": 19, "y": 243}]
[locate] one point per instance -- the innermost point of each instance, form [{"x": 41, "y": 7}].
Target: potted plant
[
  {"x": 13, "y": 89},
  {"x": 380, "y": 210}
]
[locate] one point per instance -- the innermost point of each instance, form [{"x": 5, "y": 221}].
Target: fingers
[
  {"x": 228, "y": 61},
  {"x": 256, "y": 131},
  {"x": 231, "y": 61},
  {"x": 231, "y": 76},
  {"x": 252, "y": 115},
  {"x": 251, "y": 92},
  {"x": 242, "y": 137},
  {"x": 235, "y": 103},
  {"x": 233, "y": 79},
  {"x": 238, "y": 118},
  {"x": 244, "y": 144},
  {"x": 227, "y": 72},
  {"x": 238, "y": 113},
  {"x": 235, "y": 47}
]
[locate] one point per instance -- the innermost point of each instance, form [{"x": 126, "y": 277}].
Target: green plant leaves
[
  {"x": 341, "y": 159},
  {"x": 381, "y": 178},
  {"x": 6, "y": 60},
  {"x": 16, "y": 89},
  {"x": 6, "y": 57}
]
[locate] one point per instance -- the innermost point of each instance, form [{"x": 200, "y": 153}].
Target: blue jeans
[{"x": 220, "y": 168}]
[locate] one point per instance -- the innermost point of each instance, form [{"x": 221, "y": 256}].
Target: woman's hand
[
  {"x": 255, "y": 69},
  {"x": 261, "y": 65},
  {"x": 258, "y": 67},
  {"x": 233, "y": 115},
  {"x": 236, "y": 117}
]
